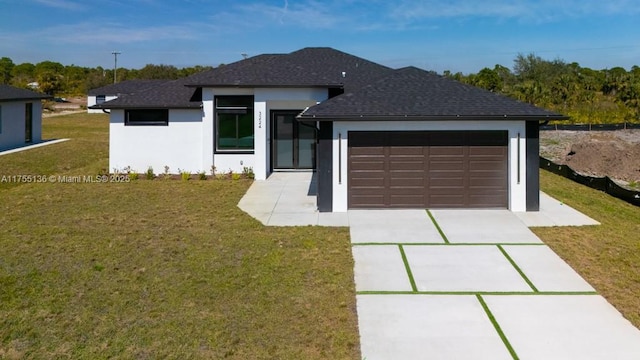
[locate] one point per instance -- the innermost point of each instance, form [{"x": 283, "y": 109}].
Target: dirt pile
[
  {"x": 610, "y": 158},
  {"x": 595, "y": 153}
]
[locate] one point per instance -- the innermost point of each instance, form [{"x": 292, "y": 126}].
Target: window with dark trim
[
  {"x": 146, "y": 117},
  {"x": 100, "y": 99},
  {"x": 234, "y": 124}
]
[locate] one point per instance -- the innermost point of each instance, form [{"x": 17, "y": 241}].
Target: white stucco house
[
  {"x": 102, "y": 94},
  {"x": 376, "y": 137},
  {"x": 20, "y": 117}
]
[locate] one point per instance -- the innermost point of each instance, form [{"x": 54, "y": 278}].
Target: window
[
  {"x": 146, "y": 117},
  {"x": 0, "y": 119},
  {"x": 234, "y": 123},
  {"x": 100, "y": 99},
  {"x": 28, "y": 122}
]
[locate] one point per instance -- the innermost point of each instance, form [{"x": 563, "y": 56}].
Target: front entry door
[{"x": 294, "y": 143}]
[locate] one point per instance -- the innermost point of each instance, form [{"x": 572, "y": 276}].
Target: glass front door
[{"x": 294, "y": 143}]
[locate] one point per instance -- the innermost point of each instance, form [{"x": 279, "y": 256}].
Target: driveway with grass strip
[{"x": 447, "y": 284}]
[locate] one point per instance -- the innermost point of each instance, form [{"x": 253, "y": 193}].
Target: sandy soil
[{"x": 596, "y": 153}]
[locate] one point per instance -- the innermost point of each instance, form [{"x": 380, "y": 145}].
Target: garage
[{"x": 428, "y": 169}]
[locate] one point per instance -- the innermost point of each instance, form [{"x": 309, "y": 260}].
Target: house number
[{"x": 259, "y": 119}]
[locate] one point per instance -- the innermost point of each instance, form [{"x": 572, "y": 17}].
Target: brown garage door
[{"x": 430, "y": 169}]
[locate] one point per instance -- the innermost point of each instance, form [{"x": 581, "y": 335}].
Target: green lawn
[
  {"x": 608, "y": 255},
  {"x": 159, "y": 269}
]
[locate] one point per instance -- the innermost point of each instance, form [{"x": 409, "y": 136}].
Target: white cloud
[
  {"x": 61, "y": 4},
  {"x": 535, "y": 10},
  {"x": 109, "y": 33}
]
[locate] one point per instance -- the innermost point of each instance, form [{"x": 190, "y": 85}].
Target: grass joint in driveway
[
  {"x": 435, "y": 223},
  {"x": 406, "y": 265},
  {"x": 515, "y": 266},
  {"x": 493, "y": 320}
]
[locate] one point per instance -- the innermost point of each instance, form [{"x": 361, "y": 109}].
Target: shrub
[
  {"x": 184, "y": 174},
  {"x": 150, "y": 174},
  {"x": 202, "y": 175},
  {"x": 235, "y": 176},
  {"x": 247, "y": 172}
]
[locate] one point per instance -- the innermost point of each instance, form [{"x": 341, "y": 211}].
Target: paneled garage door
[{"x": 428, "y": 169}]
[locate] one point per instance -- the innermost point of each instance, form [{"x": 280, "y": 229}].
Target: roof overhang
[
  {"x": 43, "y": 97},
  {"x": 141, "y": 107},
  {"x": 266, "y": 86},
  {"x": 303, "y": 117}
]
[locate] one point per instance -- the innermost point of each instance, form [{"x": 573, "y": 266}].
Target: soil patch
[{"x": 595, "y": 153}]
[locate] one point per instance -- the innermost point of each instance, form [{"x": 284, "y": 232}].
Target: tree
[
  {"x": 23, "y": 74},
  {"x": 488, "y": 79},
  {"x": 151, "y": 71},
  {"x": 6, "y": 66}
]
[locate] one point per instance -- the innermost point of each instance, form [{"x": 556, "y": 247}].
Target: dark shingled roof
[
  {"x": 126, "y": 87},
  {"x": 412, "y": 93},
  {"x": 11, "y": 93},
  {"x": 168, "y": 95},
  {"x": 308, "y": 67}
]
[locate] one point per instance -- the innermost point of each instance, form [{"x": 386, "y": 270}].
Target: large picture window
[
  {"x": 234, "y": 123},
  {"x": 146, "y": 117}
]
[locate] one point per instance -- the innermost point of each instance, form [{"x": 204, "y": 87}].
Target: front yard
[
  {"x": 159, "y": 269},
  {"x": 173, "y": 269}
]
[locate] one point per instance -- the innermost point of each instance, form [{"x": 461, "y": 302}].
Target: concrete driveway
[
  {"x": 459, "y": 284},
  {"x": 474, "y": 284}
]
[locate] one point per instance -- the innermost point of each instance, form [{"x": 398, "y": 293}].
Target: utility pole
[{"x": 115, "y": 64}]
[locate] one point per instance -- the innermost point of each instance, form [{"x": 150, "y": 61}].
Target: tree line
[
  {"x": 586, "y": 95},
  {"x": 56, "y": 79}
]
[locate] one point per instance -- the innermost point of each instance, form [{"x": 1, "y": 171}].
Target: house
[
  {"x": 109, "y": 92},
  {"x": 20, "y": 117},
  {"x": 377, "y": 137}
]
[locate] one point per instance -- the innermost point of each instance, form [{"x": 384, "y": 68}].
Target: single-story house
[
  {"x": 377, "y": 137},
  {"x": 99, "y": 95},
  {"x": 20, "y": 117}
]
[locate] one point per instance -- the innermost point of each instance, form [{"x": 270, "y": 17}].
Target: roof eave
[
  {"x": 433, "y": 117},
  {"x": 27, "y": 98},
  {"x": 140, "y": 107},
  {"x": 250, "y": 86}
]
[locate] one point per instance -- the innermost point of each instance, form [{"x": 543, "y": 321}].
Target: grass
[
  {"x": 160, "y": 269},
  {"x": 607, "y": 256}
]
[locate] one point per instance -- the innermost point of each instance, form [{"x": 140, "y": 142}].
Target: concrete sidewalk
[{"x": 459, "y": 284}]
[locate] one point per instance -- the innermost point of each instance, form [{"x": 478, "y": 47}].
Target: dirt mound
[{"x": 615, "y": 154}]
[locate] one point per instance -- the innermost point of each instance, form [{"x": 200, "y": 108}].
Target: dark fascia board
[
  {"x": 321, "y": 86},
  {"x": 434, "y": 118},
  {"x": 133, "y": 107},
  {"x": 43, "y": 97}
]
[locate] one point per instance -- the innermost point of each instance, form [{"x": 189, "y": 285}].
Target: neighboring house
[
  {"x": 20, "y": 117},
  {"x": 110, "y": 92},
  {"x": 377, "y": 137}
]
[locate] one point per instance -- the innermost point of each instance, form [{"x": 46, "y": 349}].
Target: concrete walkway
[
  {"x": 460, "y": 284},
  {"x": 32, "y": 146}
]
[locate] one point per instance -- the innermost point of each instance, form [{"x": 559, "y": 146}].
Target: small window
[
  {"x": 147, "y": 117},
  {"x": 234, "y": 123},
  {"x": 100, "y": 99}
]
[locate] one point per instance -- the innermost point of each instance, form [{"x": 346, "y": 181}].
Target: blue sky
[{"x": 456, "y": 35}]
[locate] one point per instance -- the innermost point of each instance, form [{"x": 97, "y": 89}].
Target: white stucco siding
[
  {"x": 91, "y": 100},
  {"x": 178, "y": 145},
  {"x": 517, "y": 189},
  {"x": 12, "y": 129}
]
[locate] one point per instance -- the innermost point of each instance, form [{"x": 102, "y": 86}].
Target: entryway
[{"x": 293, "y": 142}]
